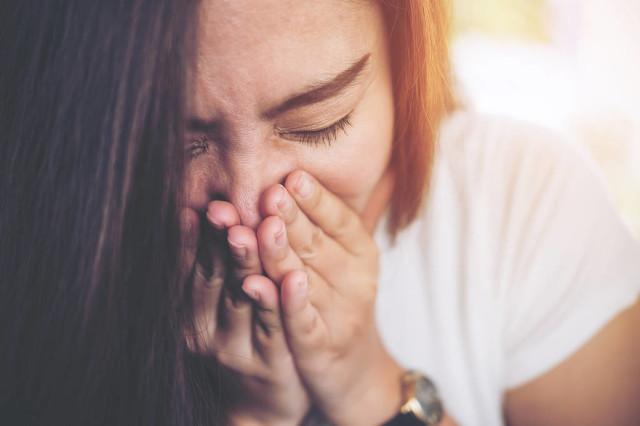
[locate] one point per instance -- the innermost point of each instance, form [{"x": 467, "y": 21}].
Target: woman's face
[{"x": 282, "y": 85}]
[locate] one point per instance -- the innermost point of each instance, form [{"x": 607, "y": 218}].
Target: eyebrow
[
  {"x": 321, "y": 91},
  {"x": 313, "y": 94}
]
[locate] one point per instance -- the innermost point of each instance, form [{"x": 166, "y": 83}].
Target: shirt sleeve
[{"x": 569, "y": 264}]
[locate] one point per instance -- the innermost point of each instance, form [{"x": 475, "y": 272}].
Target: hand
[
  {"x": 326, "y": 265},
  {"x": 247, "y": 341}
]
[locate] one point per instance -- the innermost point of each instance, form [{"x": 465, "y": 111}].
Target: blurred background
[{"x": 571, "y": 65}]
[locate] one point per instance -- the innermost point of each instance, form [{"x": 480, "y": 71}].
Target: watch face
[{"x": 427, "y": 396}]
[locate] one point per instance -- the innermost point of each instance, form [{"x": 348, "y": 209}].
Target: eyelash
[
  {"x": 325, "y": 136},
  {"x": 198, "y": 147}
]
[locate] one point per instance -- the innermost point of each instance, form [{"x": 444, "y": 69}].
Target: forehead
[{"x": 254, "y": 51}]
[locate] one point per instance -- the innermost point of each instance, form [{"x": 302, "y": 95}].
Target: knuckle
[
  {"x": 291, "y": 214},
  {"x": 309, "y": 273},
  {"x": 313, "y": 245},
  {"x": 232, "y": 360},
  {"x": 215, "y": 282},
  {"x": 347, "y": 223},
  {"x": 316, "y": 199},
  {"x": 315, "y": 287},
  {"x": 205, "y": 279},
  {"x": 243, "y": 271},
  {"x": 309, "y": 325},
  {"x": 277, "y": 254},
  {"x": 268, "y": 331},
  {"x": 201, "y": 342},
  {"x": 269, "y": 321},
  {"x": 235, "y": 305}
]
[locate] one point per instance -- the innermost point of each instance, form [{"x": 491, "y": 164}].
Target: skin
[
  {"x": 304, "y": 331},
  {"x": 245, "y": 68},
  {"x": 246, "y": 153}
]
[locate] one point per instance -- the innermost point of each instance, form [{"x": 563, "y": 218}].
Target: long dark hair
[{"x": 92, "y": 94}]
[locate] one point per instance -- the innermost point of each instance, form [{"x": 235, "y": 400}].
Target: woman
[
  {"x": 94, "y": 309},
  {"x": 514, "y": 288}
]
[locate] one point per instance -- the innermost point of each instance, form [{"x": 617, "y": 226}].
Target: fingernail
[
  {"x": 215, "y": 222},
  {"x": 282, "y": 201},
  {"x": 251, "y": 292},
  {"x": 239, "y": 250},
  {"x": 280, "y": 236},
  {"x": 304, "y": 186}
]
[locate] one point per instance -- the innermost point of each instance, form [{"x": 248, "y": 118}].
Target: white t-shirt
[{"x": 517, "y": 260}]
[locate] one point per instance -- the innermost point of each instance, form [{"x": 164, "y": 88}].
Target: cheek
[
  {"x": 195, "y": 188},
  {"x": 198, "y": 183},
  {"x": 354, "y": 165}
]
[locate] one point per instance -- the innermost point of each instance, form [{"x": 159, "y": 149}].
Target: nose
[{"x": 248, "y": 177}]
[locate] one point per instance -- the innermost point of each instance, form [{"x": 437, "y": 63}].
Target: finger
[
  {"x": 268, "y": 331},
  {"x": 208, "y": 283},
  {"x": 206, "y": 292},
  {"x": 278, "y": 259},
  {"x": 243, "y": 246},
  {"x": 234, "y": 334},
  {"x": 306, "y": 330},
  {"x": 189, "y": 229},
  {"x": 307, "y": 240},
  {"x": 275, "y": 253},
  {"x": 205, "y": 286},
  {"x": 327, "y": 211},
  {"x": 222, "y": 215},
  {"x": 264, "y": 293},
  {"x": 233, "y": 344}
]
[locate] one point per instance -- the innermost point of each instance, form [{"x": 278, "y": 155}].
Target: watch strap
[{"x": 405, "y": 419}]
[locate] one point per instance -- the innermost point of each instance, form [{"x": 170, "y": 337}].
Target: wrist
[{"x": 375, "y": 397}]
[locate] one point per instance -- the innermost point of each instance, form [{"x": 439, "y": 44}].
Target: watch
[{"x": 421, "y": 404}]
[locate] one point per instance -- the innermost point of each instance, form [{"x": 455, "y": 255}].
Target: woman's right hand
[{"x": 245, "y": 338}]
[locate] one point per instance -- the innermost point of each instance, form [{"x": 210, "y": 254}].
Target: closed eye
[
  {"x": 324, "y": 136},
  {"x": 198, "y": 147}
]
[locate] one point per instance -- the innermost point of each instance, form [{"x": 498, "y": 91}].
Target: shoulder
[
  {"x": 515, "y": 169},
  {"x": 535, "y": 190},
  {"x": 532, "y": 205},
  {"x": 488, "y": 147}
]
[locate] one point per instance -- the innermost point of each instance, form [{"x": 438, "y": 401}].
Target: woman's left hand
[
  {"x": 327, "y": 267},
  {"x": 245, "y": 341}
]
